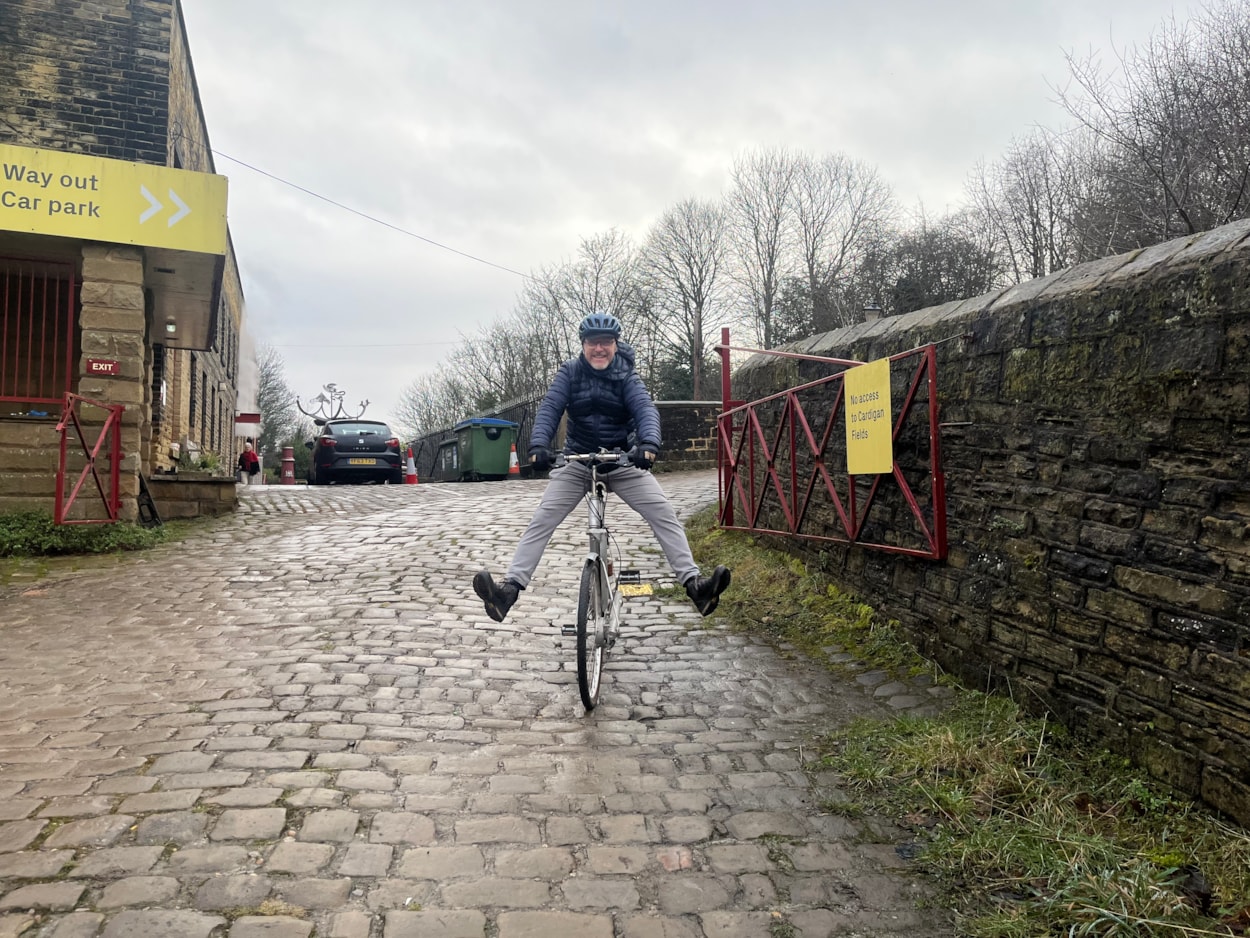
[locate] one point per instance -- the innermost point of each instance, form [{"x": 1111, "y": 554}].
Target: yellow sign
[
  {"x": 869, "y": 425},
  {"x": 74, "y": 196}
]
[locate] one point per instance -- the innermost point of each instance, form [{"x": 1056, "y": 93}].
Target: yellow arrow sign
[{"x": 74, "y": 196}]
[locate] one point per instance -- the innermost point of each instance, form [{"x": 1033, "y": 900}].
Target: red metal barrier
[
  {"x": 110, "y": 434},
  {"x": 783, "y": 469}
]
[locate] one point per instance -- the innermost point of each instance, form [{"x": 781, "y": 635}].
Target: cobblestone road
[{"x": 300, "y": 722}]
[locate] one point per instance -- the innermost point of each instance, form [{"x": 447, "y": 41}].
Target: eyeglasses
[{"x": 605, "y": 341}]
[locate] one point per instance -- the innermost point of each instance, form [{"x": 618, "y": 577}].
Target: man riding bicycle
[{"x": 608, "y": 408}]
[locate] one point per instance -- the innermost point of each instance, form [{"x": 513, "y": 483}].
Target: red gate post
[
  {"x": 724, "y": 431},
  {"x": 288, "y": 465}
]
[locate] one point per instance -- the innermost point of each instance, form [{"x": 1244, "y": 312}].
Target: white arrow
[
  {"x": 155, "y": 206},
  {"x": 183, "y": 210}
]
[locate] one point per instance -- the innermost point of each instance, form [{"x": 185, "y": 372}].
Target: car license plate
[{"x": 362, "y": 462}]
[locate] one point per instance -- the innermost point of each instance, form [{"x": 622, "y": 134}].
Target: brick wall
[
  {"x": 1097, "y": 459},
  {"x": 90, "y": 76}
]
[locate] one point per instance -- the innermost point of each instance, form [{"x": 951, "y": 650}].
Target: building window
[
  {"x": 39, "y": 344},
  {"x": 158, "y": 387}
]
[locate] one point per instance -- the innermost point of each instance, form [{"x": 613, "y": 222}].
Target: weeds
[
  {"x": 1027, "y": 832},
  {"x": 1033, "y": 835},
  {"x": 780, "y": 595},
  {"x": 34, "y": 534}
]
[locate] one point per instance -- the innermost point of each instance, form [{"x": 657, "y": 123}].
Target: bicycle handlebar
[{"x": 605, "y": 457}]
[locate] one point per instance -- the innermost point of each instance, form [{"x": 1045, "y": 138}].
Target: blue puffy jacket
[{"x": 606, "y": 408}]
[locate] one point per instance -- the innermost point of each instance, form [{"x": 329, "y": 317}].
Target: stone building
[{"x": 139, "y": 306}]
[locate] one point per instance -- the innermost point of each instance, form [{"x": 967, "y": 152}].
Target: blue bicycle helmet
[{"x": 599, "y": 324}]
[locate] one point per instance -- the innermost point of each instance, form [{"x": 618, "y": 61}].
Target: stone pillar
[{"x": 114, "y": 328}]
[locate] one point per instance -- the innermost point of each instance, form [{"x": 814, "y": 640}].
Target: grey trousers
[{"x": 637, "y": 488}]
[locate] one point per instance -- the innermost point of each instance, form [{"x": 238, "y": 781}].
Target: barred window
[{"x": 39, "y": 344}]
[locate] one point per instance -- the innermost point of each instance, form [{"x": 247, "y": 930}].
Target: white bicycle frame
[
  {"x": 598, "y": 583},
  {"x": 598, "y": 548}
]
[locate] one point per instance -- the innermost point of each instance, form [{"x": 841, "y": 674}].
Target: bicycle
[{"x": 599, "y": 599}]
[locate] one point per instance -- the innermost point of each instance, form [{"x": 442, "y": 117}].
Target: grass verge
[
  {"x": 1025, "y": 831},
  {"x": 34, "y": 534}
]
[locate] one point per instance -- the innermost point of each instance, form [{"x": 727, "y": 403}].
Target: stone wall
[
  {"x": 1096, "y": 444},
  {"x": 689, "y": 435},
  {"x": 114, "y": 326},
  {"x": 90, "y": 76},
  {"x": 193, "y": 495},
  {"x": 29, "y": 447}
]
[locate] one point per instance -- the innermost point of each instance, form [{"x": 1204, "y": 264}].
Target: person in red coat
[{"x": 249, "y": 464}]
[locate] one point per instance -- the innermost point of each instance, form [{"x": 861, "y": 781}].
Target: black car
[{"x": 355, "y": 451}]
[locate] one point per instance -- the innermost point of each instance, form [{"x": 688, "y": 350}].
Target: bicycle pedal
[
  {"x": 631, "y": 576},
  {"x": 568, "y": 630}
]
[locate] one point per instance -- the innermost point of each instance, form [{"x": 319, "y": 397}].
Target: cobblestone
[{"x": 305, "y": 704}]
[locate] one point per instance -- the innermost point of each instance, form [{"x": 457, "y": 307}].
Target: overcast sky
[{"x": 510, "y": 129}]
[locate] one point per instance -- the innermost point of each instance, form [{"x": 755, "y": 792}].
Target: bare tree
[
  {"x": 602, "y": 278},
  {"x": 1175, "y": 118},
  {"x": 434, "y": 401},
  {"x": 515, "y": 357},
  {"x": 760, "y": 207},
  {"x": 1028, "y": 199},
  {"x": 683, "y": 257},
  {"x": 279, "y": 420},
  {"x": 840, "y": 207}
]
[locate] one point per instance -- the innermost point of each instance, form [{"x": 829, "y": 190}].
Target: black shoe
[
  {"x": 704, "y": 591},
  {"x": 498, "y": 597}
]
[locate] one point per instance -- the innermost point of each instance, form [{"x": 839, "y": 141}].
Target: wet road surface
[{"x": 299, "y": 721}]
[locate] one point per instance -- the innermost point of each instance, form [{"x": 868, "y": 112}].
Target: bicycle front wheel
[{"x": 592, "y": 615}]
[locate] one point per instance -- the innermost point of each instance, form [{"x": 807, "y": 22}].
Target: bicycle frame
[
  {"x": 599, "y": 602},
  {"x": 596, "y": 524}
]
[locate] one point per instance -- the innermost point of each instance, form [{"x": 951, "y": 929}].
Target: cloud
[{"x": 510, "y": 130}]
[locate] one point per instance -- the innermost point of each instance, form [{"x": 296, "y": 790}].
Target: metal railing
[
  {"x": 107, "y": 441},
  {"x": 37, "y": 335},
  {"x": 782, "y": 461}
]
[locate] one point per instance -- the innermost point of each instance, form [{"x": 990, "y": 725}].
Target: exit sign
[{"x": 101, "y": 366}]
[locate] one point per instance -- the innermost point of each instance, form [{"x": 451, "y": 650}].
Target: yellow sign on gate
[
  {"x": 869, "y": 424},
  {"x": 74, "y": 196}
]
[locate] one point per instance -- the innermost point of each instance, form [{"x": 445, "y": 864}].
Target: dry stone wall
[{"x": 1096, "y": 446}]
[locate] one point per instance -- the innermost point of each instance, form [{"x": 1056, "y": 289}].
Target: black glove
[
  {"x": 644, "y": 455},
  {"x": 540, "y": 458}
]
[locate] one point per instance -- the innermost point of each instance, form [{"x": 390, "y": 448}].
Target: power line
[
  {"x": 364, "y": 215},
  {"x": 362, "y": 345}
]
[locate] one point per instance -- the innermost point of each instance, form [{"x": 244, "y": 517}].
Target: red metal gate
[
  {"x": 107, "y": 441},
  {"x": 782, "y": 461}
]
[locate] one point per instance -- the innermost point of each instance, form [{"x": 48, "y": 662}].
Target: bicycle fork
[{"x": 599, "y": 554}]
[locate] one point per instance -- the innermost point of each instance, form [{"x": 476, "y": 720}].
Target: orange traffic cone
[
  {"x": 410, "y": 477},
  {"x": 514, "y": 468}
]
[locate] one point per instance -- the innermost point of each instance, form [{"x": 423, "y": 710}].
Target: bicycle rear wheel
[{"x": 591, "y": 621}]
